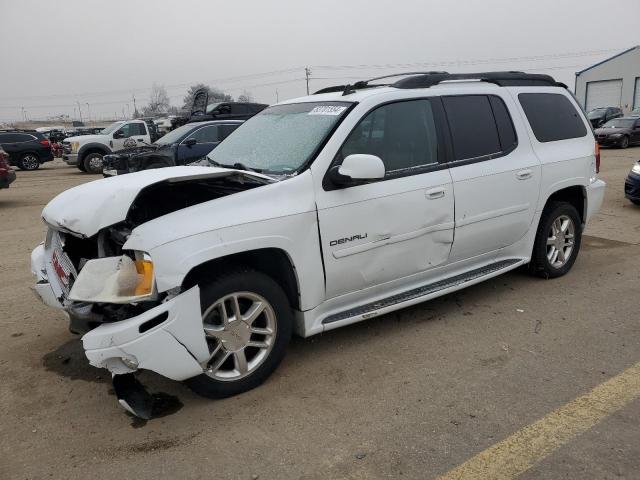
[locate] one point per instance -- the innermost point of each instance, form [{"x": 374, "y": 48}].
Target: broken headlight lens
[{"x": 124, "y": 279}]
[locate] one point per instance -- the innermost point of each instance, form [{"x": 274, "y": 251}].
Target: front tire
[
  {"x": 29, "y": 161},
  {"x": 248, "y": 324},
  {"x": 93, "y": 163},
  {"x": 557, "y": 241}
]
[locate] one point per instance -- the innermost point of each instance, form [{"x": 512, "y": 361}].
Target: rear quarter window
[{"x": 552, "y": 116}]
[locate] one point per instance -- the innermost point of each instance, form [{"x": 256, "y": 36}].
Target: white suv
[{"x": 317, "y": 213}]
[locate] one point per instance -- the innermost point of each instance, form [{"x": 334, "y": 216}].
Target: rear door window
[
  {"x": 473, "y": 128},
  {"x": 552, "y": 116},
  {"x": 207, "y": 134}
]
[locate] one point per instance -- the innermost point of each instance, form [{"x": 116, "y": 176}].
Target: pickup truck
[
  {"x": 86, "y": 151},
  {"x": 317, "y": 213}
]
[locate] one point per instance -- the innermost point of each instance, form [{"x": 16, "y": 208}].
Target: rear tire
[
  {"x": 624, "y": 143},
  {"x": 636, "y": 202},
  {"x": 246, "y": 347},
  {"x": 557, "y": 241},
  {"x": 29, "y": 161},
  {"x": 93, "y": 163}
]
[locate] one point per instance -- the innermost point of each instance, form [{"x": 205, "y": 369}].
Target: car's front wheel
[
  {"x": 93, "y": 163},
  {"x": 247, "y": 322},
  {"x": 557, "y": 240},
  {"x": 624, "y": 142},
  {"x": 29, "y": 161}
]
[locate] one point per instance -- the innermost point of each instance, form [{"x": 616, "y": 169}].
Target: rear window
[
  {"x": 552, "y": 116},
  {"x": 473, "y": 127},
  {"x": 16, "y": 137}
]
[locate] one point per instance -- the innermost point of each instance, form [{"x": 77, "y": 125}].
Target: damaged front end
[{"x": 109, "y": 292}]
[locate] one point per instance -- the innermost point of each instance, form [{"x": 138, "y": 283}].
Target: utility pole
[
  {"x": 128, "y": 111},
  {"x": 135, "y": 109},
  {"x": 24, "y": 115},
  {"x": 277, "y": 98},
  {"x": 88, "y": 113},
  {"x": 307, "y": 74},
  {"x": 79, "y": 110}
]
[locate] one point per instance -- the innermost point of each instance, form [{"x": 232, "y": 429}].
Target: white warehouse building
[{"x": 614, "y": 82}]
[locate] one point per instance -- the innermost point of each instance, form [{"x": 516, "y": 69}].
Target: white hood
[
  {"x": 88, "y": 138},
  {"x": 87, "y": 208}
]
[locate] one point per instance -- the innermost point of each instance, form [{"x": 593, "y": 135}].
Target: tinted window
[
  {"x": 205, "y": 135},
  {"x": 225, "y": 130},
  {"x": 239, "y": 109},
  {"x": 552, "y": 116},
  {"x": 402, "y": 134},
  {"x": 138, "y": 129},
  {"x": 8, "y": 137},
  {"x": 506, "y": 132},
  {"x": 473, "y": 128}
]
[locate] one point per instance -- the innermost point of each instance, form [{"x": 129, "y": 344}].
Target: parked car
[
  {"x": 632, "y": 184},
  {"x": 27, "y": 149},
  {"x": 317, "y": 213},
  {"x": 184, "y": 145},
  {"x": 619, "y": 132},
  {"x": 7, "y": 175},
  {"x": 86, "y": 151},
  {"x": 600, "y": 116}
]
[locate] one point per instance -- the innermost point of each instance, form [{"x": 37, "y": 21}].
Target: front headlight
[
  {"x": 75, "y": 146},
  {"x": 636, "y": 168},
  {"x": 115, "y": 280},
  {"x": 615, "y": 135}
]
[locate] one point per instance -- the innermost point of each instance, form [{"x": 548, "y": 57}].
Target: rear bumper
[
  {"x": 7, "y": 179},
  {"x": 595, "y": 196},
  {"x": 168, "y": 339},
  {"x": 70, "y": 158},
  {"x": 632, "y": 187}
]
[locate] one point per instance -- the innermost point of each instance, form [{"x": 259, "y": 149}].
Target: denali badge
[{"x": 340, "y": 241}]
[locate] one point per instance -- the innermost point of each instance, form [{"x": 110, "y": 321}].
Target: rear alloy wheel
[
  {"x": 29, "y": 161},
  {"x": 624, "y": 143},
  {"x": 557, "y": 241},
  {"x": 93, "y": 163},
  {"x": 247, "y": 321}
]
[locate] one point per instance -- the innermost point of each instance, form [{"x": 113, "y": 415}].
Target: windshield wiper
[{"x": 236, "y": 166}]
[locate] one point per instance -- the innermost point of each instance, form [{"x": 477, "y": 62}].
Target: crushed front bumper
[{"x": 168, "y": 338}]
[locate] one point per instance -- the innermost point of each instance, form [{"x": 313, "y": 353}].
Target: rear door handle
[
  {"x": 524, "y": 174},
  {"x": 435, "y": 193}
]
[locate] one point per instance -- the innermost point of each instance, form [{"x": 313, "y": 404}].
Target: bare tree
[
  {"x": 245, "y": 96},
  {"x": 158, "y": 100}
]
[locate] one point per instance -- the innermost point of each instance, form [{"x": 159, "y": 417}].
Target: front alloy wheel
[
  {"x": 247, "y": 322},
  {"x": 240, "y": 329}
]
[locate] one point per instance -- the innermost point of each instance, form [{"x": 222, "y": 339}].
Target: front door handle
[
  {"x": 524, "y": 174},
  {"x": 435, "y": 193}
]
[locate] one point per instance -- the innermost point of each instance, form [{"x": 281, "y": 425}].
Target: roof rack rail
[
  {"x": 503, "y": 79},
  {"x": 359, "y": 85},
  {"x": 429, "y": 79}
]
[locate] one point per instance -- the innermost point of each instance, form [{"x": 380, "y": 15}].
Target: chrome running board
[{"x": 425, "y": 290}]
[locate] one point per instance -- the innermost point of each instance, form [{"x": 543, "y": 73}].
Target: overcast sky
[{"x": 54, "y": 54}]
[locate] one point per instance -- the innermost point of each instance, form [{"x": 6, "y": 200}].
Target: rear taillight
[
  {"x": 45, "y": 142},
  {"x": 597, "y": 158}
]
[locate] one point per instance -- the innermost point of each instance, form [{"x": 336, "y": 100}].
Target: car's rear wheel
[
  {"x": 635, "y": 202},
  {"x": 248, "y": 323},
  {"x": 93, "y": 163},
  {"x": 29, "y": 161},
  {"x": 557, "y": 241},
  {"x": 624, "y": 142}
]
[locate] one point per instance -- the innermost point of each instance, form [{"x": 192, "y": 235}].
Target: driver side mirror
[
  {"x": 357, "y": 167},
  {"x": 190, "y": 142}
]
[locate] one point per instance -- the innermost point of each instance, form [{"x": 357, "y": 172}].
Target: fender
[
  {"x": 174, "y": 260},
  {"x": 82, "y": 151}
]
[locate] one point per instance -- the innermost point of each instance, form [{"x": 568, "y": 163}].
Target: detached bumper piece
[{"x": 133, "y": 396}]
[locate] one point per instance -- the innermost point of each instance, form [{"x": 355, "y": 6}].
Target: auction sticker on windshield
[{"x": 327, "y": 110}]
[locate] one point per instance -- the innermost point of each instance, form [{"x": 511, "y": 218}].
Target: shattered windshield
[{"x": 280, "y": 139}]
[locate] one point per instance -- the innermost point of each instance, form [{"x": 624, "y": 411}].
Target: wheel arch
[
  {"x": 274, "y": 262},
  {"x": 92, "y": 148},
  {"x": 575, "y": 195}
]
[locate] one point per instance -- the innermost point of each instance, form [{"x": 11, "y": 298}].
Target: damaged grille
[{"x": 60, "y": 269}]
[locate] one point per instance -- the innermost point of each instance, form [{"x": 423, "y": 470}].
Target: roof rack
[{"x": 429, "y": 79}]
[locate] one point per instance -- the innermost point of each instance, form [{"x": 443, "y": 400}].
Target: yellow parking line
[{"x": 519, "y": 452}]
